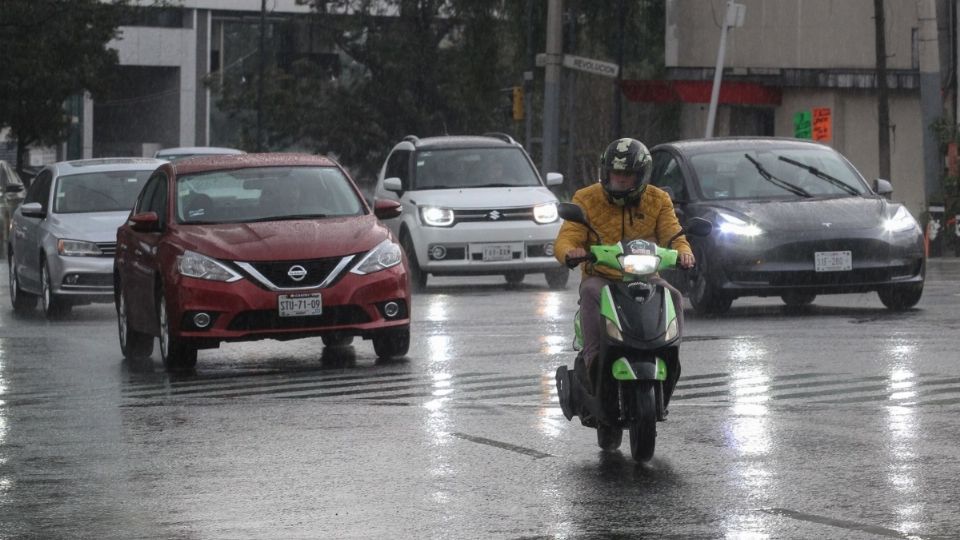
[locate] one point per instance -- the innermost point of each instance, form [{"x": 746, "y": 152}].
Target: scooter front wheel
[{"x": 643, "y": 422}]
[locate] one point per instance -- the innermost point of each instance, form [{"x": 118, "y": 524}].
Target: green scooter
[{"x": 638, "y": 365}]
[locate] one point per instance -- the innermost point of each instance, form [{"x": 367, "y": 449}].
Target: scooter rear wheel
[
  {"x": 643, "y": 422},
  {"x": 608, "y": 437}
]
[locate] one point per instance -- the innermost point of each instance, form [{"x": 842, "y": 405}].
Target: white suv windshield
[
  {"x": 265, "y": 194},
  {"x": 473, "y": 168}
]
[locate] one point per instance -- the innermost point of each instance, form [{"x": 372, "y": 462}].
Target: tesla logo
[
  {"x": 297, "y": 272},
  {"x": 494, "y": 215},
  {"x": 827, "y": 225}
]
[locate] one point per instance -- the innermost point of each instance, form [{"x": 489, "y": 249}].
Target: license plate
[
  {"x": 833, "y": 261},
  {"x": 498, "y": 252},
  {"x": 299, "y": 305}
]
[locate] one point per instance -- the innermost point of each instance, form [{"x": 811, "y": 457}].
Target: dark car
[
  {"x": 791, "y": 218},
  {"x": 246, "y": 247}
]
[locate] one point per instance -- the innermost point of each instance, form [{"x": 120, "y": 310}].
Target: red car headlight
[{"x": 195, "y": 265}]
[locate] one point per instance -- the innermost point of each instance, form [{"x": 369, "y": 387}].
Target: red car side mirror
[
  {"x": 145, "y": 222},
  {"x": 386, "y": 209}
]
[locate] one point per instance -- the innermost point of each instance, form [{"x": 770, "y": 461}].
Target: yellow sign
[{"x": 518, "y": 103}]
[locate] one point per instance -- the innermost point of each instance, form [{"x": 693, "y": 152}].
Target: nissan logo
[
  {"x": 494, "y": 215},
  {"x": 297, "y": 272}
]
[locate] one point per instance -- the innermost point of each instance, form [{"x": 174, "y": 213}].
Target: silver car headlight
[
  {"x": 385, "y": 255},
  {"x": 640, "y": 265},
  {"x": 78, "y": 248},
  {"x": 736, "y": 226},
  {"x": 545, "y": 213},
  {"x": 900, "y": 222},
  {"x": 195, "y": 265},
  {"x": 436, "y": 216}
]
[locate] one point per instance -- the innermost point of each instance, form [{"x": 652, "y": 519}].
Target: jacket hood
[
  {"x": 497, "y": 197},
  {"x": 843, "y": 213},
  {"x": 285, "y": 240}
]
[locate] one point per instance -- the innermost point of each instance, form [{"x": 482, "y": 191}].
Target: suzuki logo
[
  {"x": 494, "y": 215},
  {"x": 297, "y": 272},
  {"x": 827, "y": 225}
]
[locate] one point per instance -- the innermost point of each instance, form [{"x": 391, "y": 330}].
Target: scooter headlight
[
  {"x": 640, "y": 265},
  {"x": 613, "y": 331}
]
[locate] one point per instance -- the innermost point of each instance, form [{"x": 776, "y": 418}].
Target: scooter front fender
[{"x": 639, "y": 370}]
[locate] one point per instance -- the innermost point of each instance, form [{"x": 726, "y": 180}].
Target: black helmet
[{"x": 625, "y": 156}]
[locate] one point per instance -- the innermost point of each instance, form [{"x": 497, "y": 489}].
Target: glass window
[
  {"x": 667, "y": 174},
  {"x": 106, "y": 191},
  {"x": 266, "y": 194},
  {"x": 818, "y": 172},
  {"x": 399, "y": 166},
  {"x": 473, "y": 168},
  {"x": 40, "y": 189}
]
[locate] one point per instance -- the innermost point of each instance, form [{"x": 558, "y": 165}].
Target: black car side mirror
[{"x": 883, "y": 187}]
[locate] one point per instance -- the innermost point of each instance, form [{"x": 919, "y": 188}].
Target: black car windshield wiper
[
  {"x": 796, "y": 190},
  {"x": 820, "y": 174}
]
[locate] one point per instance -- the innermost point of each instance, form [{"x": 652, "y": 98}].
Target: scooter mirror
[
  {"x": 699, "y": 227},
  {"x": 571, "y": 212}
]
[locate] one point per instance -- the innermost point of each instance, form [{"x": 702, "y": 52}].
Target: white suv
[{"x": 472, "y": 205}]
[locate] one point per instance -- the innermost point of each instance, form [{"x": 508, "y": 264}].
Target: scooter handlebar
[{"x": 573, "y": 262}]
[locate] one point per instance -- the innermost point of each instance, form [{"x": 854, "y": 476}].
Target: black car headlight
[
  {"x": 733, "y": 225},
  {"x": 900, "y": 222}
]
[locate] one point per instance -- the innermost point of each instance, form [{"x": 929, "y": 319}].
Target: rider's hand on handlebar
[
  {"x": 685, "y": 260},
  {"x": 576, "y": 253}
]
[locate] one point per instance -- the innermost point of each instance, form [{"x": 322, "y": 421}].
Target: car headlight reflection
[
  {"x": 385, "y": 255},
  {"x": 436, "y": 216},
  {"x": 736, "y": 226},
  {"x": 640, "y": 265},
  {"x": 195, "y": 265},
  {"x": 78, "y": 248},
  {"x": 545, "y": 213},
  {"x": 900, "y": 222}
]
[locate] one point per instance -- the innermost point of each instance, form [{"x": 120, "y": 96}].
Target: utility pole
[
  {"x": 732, "y": 18},
  {"x": 263, "y": 21},
  {"x": 574, "y": 8},
  {"x": 931, "y": 102},
  {"x": 883, "y": 105},
  {"x": 551, "y": 86},
  {"x": 617, "y": 120},
  {"x": 528, "y": 82}
]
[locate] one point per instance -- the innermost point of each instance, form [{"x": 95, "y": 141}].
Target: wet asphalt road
[{"x": 837, "y": 421}]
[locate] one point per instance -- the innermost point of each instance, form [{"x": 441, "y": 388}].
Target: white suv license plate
[
  {"x": 299, "y": 305},
  {"x": 833, "y": 261},
  {"x": 498, "y": 252}
]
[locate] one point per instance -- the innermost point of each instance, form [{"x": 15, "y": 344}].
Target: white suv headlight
[
  {"x": 195, "y": 265},
  {"x": 545, "y": 213},
  {"x": 78, "y": 248},
  {"x": 436, "y": 216},
  {"x": 385, "y": 255}
]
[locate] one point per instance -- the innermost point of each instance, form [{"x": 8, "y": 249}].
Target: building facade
[{"x": 792, "y": 58}]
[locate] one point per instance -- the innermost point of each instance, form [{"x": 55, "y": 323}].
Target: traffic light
[{"x": 518, "y": 103}]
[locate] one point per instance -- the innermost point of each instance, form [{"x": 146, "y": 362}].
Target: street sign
[{"x": 597, "y": 67}]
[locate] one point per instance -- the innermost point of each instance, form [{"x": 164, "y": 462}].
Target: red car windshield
[{"x": 265, "y": 194}]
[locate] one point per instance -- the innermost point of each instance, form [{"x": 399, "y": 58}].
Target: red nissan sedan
[{"x": 256, "y": 246}]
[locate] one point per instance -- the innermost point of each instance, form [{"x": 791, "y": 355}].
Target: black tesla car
[{"x": 791, "y": 218}]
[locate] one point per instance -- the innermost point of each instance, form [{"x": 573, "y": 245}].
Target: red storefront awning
[{"x": 731, "y": 93}]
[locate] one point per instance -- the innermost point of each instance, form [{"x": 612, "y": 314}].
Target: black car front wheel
[
  {"x": 705, "y": 298},
  {"x": 798, "y": 298},
  {"x": 900, "y": 297}
]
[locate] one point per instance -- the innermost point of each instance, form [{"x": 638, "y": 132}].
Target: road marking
[
  {"x": 838, "y": 523},
  {"x": 536, "y": 454}
]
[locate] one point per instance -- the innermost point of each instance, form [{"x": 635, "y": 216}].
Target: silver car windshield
[
  {"x": 107, "y": 191},
  {"x": 734, "y": 175},
  {"x": 265, "y": 194},
  {"x": 473, "y": 168}
]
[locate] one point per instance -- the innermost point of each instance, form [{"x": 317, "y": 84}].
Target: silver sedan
[{"x": 64, "y": 235}]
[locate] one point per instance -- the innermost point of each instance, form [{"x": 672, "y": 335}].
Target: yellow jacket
[{"x": 652, "y": 218}]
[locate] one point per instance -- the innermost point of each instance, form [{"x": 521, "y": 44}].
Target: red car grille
[
  {"x": 267, "y": 319},
  {"x": 317, "y": 270}
]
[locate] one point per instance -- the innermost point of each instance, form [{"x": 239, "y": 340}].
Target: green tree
[{"x": 52, "y": 49}]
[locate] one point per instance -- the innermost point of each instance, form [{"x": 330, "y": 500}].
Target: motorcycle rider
[{"x": 622, "y": 206}]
